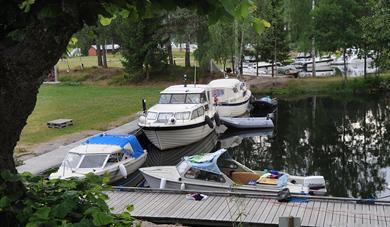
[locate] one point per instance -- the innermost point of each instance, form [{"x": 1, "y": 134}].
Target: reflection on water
[{"x": 344, "y": 139}]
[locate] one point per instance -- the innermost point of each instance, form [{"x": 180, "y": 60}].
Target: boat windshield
[
  {"x": 182, "y": 167},
  {"x": 72, "y": 160},
  {"x": 93, "y": 161},
  {"x": 194, "y": 98}
]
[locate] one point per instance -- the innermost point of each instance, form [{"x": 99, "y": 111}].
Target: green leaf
[
  {"x": 26, "y": 5},
  {"x": 42, "y": 213},
  {"x": 260, "y": 25},
  {"x": 244, "y": 8},
  {"x": 61, "y": 210},
  {"x": 100, "y": 218},
  {"x": 105, "y": 20},
  {"x": 4, "y": 202},
  {"x": 130, "y": 208}
]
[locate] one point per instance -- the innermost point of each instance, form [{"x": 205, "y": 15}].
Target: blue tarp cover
[
  {"x": 206, "y": 162},
  {"x": 119, "y": 140}
]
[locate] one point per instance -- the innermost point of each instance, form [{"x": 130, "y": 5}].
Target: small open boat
[
  {"x": 119, "y": 155},
  {"x": 264, "y": 107},
  {"x": 218, "y": 172},
  {"x": 247, "y": 122}
]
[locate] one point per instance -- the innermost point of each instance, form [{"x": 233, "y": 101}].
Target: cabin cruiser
[
  {"x": 182, "y": 116},
  {"x": 218, "y": 172},
  {"x": 119, "y": 155},
  {"x": 231, "y": 97}
]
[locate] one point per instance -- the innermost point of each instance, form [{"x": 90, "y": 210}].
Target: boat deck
[{"x": 171, "y": 206}]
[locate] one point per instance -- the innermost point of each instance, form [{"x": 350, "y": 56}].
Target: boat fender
[
  {"x": 172, "y": 120},
  {"x": 163, "y": 183},
  {"x": 122, "y": 170},
  {"x": 209, "y": 121},
  {"x": 182, "y": 186},
  {"x": 217, "y": 119}
]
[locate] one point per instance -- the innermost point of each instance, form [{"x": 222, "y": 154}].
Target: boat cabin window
[
  {"x": 163, "y": 117},
  {"x": 165, "y": 98},
  {"x": 178, "y": 98},
  {"x": 182, "y": 167},
  {"x": 197, "y": 113},
  {"x": 218, "y": 93},
  {"x": 198, "y": 174},
  {"x": 114, "y": 158},
  {"x": 192, "y": 98},
  {"x": 93, "y": 161},
  {"x": 73, "y": 159}
]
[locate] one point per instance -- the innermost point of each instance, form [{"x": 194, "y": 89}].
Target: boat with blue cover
[
  {"x": 119, "y": 155},
  {"x": 219, "y": 172}
]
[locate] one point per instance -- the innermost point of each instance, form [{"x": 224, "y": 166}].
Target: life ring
[
  {"x": 217, "y": 119},
  {"x": 208, "y": 120}
]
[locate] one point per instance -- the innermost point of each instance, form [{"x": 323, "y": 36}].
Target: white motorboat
[
  {"x": 119, "y": 155},
  {"x": 218, "y": 172},
  {"x": 231, "y": 96},
  {"x": 182, "y": 116}
]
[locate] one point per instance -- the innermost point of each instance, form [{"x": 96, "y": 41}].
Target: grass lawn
[{"x": 91, "y": 108}]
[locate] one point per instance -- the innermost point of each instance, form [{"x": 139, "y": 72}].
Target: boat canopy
[
  {"x": 118, "y": 140},
  {"x": 206, "y": 162}
]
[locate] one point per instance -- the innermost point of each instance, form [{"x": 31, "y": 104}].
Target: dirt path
[{"x": 267, "y": 82}]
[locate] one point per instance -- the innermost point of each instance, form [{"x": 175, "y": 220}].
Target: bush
[{"x": 71, "y": 202}]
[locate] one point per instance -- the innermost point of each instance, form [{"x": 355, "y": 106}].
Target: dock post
[{"x": 289, "y": 221}]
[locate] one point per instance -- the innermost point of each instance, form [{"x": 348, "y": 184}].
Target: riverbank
[{"x": 284, "y": 86}]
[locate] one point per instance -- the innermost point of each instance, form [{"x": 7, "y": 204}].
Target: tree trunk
[
  {"x": 365, "y": 65},
  {"x": 170, "y": 54},
  {"x": 345, "y": 63},
  {"x": 233, "y": 65},
  {"x": 99, "y": 53},
  {"x": 147, "y": 72},
  {"x": 257, "y": 63},
  {"x": 188, "y": 53},
  {"x": 104, "y": 55},
  {"x": 23, "y": 67}
]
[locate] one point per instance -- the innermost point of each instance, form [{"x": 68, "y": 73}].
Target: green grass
[
  {"x": 91, "y": 108},
  {"x": 327, "y": 85}
]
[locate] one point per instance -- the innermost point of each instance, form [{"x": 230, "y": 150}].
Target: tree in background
[
  {"x": 142, "y": 47},
  {"x": 298, "y": 18},
  {"x": 271, "y": 45},
  {"x": 336, "y": 25},
  {"x": 376, "y": 32}
]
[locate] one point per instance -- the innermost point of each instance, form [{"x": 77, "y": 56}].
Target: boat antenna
[
  {"x": 195, "y": 75},
  {"x": 185, "y": 80}
]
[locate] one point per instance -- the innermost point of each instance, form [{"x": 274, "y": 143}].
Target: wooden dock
[{"x": 227, "y": 209}]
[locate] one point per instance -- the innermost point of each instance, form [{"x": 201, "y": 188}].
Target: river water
[{"x": 345, "y": 139}]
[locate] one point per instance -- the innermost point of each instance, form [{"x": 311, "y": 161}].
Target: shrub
[{"x": 70, "y": 202}]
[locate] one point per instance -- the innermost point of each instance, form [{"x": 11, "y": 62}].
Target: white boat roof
[
  {"x": 171, "y": 108},
  {"x": 96, "y": 149},
  {"x": 228, "y": 83},
  {"x": 191, "y": 88}
]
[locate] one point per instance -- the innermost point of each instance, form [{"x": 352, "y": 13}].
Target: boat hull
[
  {"x": 155, "y": 182},
  {"x": 166, "y": 138},
  {"x": 231, "y": 110}
]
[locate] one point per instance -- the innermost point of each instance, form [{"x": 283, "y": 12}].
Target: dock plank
[
  {"x": 336, "y": 214},
  {"x": 314, "y": 213},
  {"x": 308, "y": 211},
  {"x": 263, "y": 210},
  {"x": 252, "y": 210},
  {"x": 343, "y": 214},
  {"x": 279, "y": 213},
  {"x": 322, "y": 213}
]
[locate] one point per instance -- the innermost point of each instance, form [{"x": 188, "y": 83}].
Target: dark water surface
[{"x": 345, "y": 139}]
